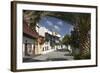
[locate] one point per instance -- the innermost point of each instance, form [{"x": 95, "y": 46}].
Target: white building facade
[{"x": 47, "y": 45}]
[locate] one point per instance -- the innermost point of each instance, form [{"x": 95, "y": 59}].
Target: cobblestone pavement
[{"x": 57, "y": 55}]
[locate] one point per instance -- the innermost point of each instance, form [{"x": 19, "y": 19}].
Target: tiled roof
[{"x": 27, "y": 30}]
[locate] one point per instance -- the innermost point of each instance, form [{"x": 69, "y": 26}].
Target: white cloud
[
  {"x": 57, "y": 28},
  {"x": 60, "y": 23},
  {"x": 49, "y": 23}
]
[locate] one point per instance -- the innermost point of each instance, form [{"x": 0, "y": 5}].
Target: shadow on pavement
[
  {"x": 55, "y": 59},
  {"x": 48, "y": 59},
  {"x": 30, "y": 60},
  {"x": 62, "y": 50}
]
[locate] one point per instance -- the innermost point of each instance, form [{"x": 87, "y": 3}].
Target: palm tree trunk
[{"x": 84, "y": 46}]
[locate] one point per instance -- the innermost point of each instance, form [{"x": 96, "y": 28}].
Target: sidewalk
[{"x": 57, "y": 55}]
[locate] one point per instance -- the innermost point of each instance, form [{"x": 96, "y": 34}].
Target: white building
[{"x": 46, "y": 47}]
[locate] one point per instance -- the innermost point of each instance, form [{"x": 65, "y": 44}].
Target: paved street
[{"x": 58, "y": 55}]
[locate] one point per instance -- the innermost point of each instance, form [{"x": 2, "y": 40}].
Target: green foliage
[
  {"x": 80, "y": 21},
  {"x": 75, "y": 38},
  {"x": 66, "y": 40}
]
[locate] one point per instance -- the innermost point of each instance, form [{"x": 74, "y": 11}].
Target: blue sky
[{"x": 55, "y": 24}]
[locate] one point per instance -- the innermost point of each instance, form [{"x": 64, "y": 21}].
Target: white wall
[
  {"x": 29, "y": 40},
  {"x": 5, "y": 38},
  {"x": 42, "y": 30}
]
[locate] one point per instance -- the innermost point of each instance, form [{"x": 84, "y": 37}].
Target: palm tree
[
  {"x": 82, "y": 28},
  {"x": 80, "y": 21},
  {"x": 84, "y": 35}
]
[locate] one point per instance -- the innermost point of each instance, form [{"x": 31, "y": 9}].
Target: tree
[
  {"x": 33, "y": 17},
  {"x": 80, "y": 21},
  {"x": 84, "y": 35},
  {"x": 74, "y": 39},
  {"x": 66, "y": 40},
  {"x": 82, "y": 28}
]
